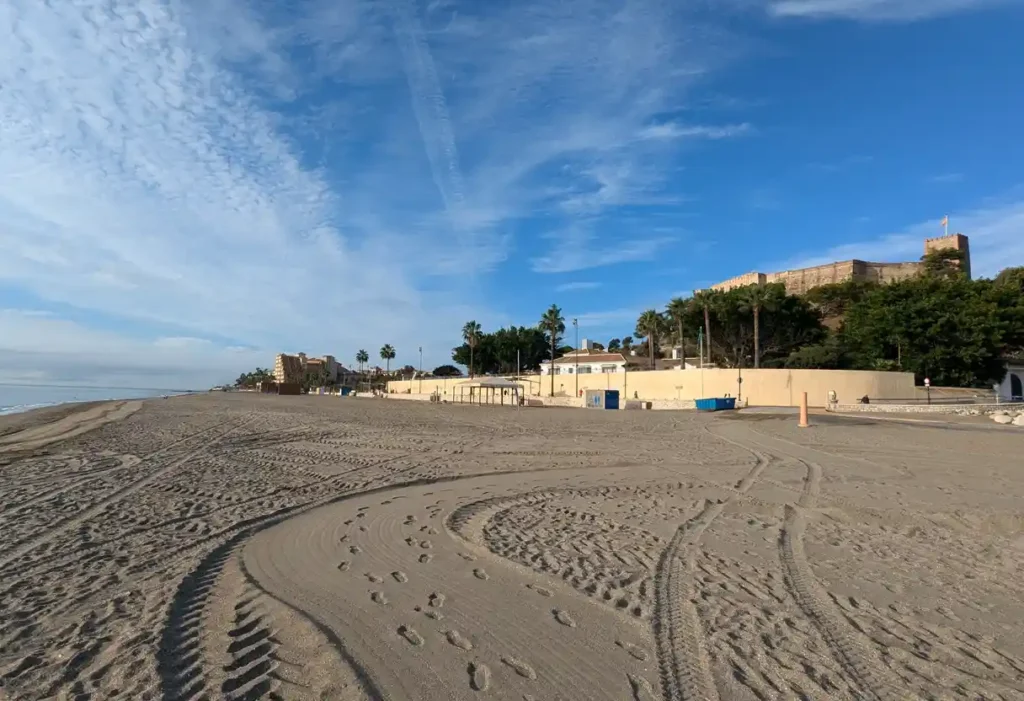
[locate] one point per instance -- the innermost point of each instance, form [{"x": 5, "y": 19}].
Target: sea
[{"x": 18, "y": 398}]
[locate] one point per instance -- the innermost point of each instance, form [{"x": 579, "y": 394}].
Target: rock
[
  {"x": 1002, "y": 418},
  {"x": 1019, "y": 421}
]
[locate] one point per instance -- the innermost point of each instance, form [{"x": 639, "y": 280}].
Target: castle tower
[{"x": 957, "y": 242}]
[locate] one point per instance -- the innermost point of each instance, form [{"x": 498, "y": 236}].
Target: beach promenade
[{"x": 239, "y": 546}]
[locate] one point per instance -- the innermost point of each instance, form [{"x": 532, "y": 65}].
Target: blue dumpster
[{"x": 716, "y": 404}]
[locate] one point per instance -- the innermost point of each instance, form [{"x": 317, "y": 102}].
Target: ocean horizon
[{"x": 16, "y": 398}]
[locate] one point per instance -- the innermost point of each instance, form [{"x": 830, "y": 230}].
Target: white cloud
[
  {"x": 257, "y": 174},
  {"x": 995, "y": 234},
  {"x": 580, "y": 286},
  {"x": 37, "y": 348},
  {"x": 577, "y": 248},
  {"x": 946, "y": 178},
  {"x": 878, "y": 10},
  {"x": 672, "y": 130}
]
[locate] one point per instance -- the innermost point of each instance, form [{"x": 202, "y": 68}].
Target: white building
[
  {"x": 589, "y": 363},
  {"x": 1011, "y": 389}
]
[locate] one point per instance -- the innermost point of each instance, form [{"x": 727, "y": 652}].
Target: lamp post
[
  {"x": 576, "y": 372},
  {"x": 421, "y": 370}
]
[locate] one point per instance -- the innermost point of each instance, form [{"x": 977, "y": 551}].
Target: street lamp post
[
  {"x": 421, "y": 370},
  {"x": 576, "y": 325}
]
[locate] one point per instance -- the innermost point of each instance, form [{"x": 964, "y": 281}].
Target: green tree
[
  {"x": 677, "y": 311},
  {"x": 950, "y": 329},
  {"x": 755, "y": 298},
  {"x": 651, "y": 325},
  {"x": 834, "y": 299},
  {"x": 387, "y": 354},
  {"x": 446, "y": 371},
  {"x": 947, "y": 263},
  {"x": 705, "y": 300},
  {"x": 627, "y": 344},
  {"x": 552, "y": 323},
  {"x": 471, "y": 335},
  {"x": 362, "y": 357},
  {"x": 614, "y": 345}
]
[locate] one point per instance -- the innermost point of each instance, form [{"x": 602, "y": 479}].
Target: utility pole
[
  {"x": 421, "y": 371},
  {"x": 576, "y": 325}
]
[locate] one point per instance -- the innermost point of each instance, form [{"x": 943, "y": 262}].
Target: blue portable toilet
[{"x": 602, "y": 399}]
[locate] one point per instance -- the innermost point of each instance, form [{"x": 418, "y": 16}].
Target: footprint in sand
[
  {"x": 378, "y": 598},
  {"x": 355, "y": 550},
  {"x": 633, "y": 650},
  {"x": 480, "y": 574},
  {"x": 344, "y": 566},
  {"x": 410, "y": 541},
  {"x": 467, "y": 557},
  {"x": 374, "y": 578},
  {"x": 540, "y": 590},
  {"x": 520, "y": 667},
  {"x": 426, "y": 544},
  {"x": 458, "y": 640},
  {"x": 425, "y": 558},
  {"x": 434, "y": 615},
  {"x": 436, "y": 600},
  {"x": 411, "y": 636},
  {"x": 564, "y": 618},
  {"x": 364, "y": 529},
  {"x": 400, "y": 577},
  {"x": 479, "y": 676},
  {"x": 342, "y": 539}
]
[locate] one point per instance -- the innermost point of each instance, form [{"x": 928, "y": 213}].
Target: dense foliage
[
  {"x": 495, "y": 353},
  {"x": 251, "y": 379},
  {"x": 939, "y": 324}
]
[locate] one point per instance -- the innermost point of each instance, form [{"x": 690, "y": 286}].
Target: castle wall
[
  {"x": 799, "y": 281},
  {"x": 740, "y": 281}
]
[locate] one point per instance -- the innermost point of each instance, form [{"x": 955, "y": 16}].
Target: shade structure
[{"x": 495, "y": 391}]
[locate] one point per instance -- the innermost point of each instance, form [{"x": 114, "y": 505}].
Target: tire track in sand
[
  {"x": 856, "y": 658},
  {"x": 678, "y": 632},
  {"x": 82, "y": 516}
]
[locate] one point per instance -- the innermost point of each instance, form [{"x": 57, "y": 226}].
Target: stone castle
[{"x": 799, "y": 281}]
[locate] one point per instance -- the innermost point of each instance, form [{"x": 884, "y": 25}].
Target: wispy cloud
[
  {"x": 37, "y": 348},
  {"x": 946, "y": 178},
  {"x": 577, "y": 248},
  {"x": 878, "y": 10},
  {"x": 840, "y": 165},
  {"x": 577, "y": 286},
  {"x": 994, "y": 232},
  {"x": 321, "y": 175},
  {"x": 673, "y": 130}
]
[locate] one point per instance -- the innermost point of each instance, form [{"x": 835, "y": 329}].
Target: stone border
[{"x": 920, "y": 408}]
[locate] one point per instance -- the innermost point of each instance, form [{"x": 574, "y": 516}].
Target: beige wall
[{"x": 759, "y": 388}]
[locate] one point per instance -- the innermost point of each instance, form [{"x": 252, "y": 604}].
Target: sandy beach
[{"x": 238, "y": 546}]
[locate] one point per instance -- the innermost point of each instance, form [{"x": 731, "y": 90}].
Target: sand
[{"x": 245, "y": 547}]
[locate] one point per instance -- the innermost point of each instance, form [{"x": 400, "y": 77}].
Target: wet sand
[{"x": 245, "y": 547}]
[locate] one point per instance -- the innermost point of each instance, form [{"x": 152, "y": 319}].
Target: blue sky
[{"x": 186, "y": 187}]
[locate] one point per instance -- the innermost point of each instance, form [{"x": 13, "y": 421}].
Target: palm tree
[
  {"x": 677, "y": 310},
  {"x": 756, "y": 298},
  {"x": 553, "y": 324},
  {"x": 387, "y": 354},
  {"x": 471, "y": 335},
  {"x": 362, "y": 357},
  {"x": 650, "y": 324},
  {"x": 706, "y": 299}
]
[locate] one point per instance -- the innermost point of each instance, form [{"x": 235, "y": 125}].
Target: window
[
  {"x": 609, "y": 368},
  {"x": 585, "y": 370}
]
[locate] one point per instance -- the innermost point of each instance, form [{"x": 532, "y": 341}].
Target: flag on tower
[{"x": 945, "y": 224}]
